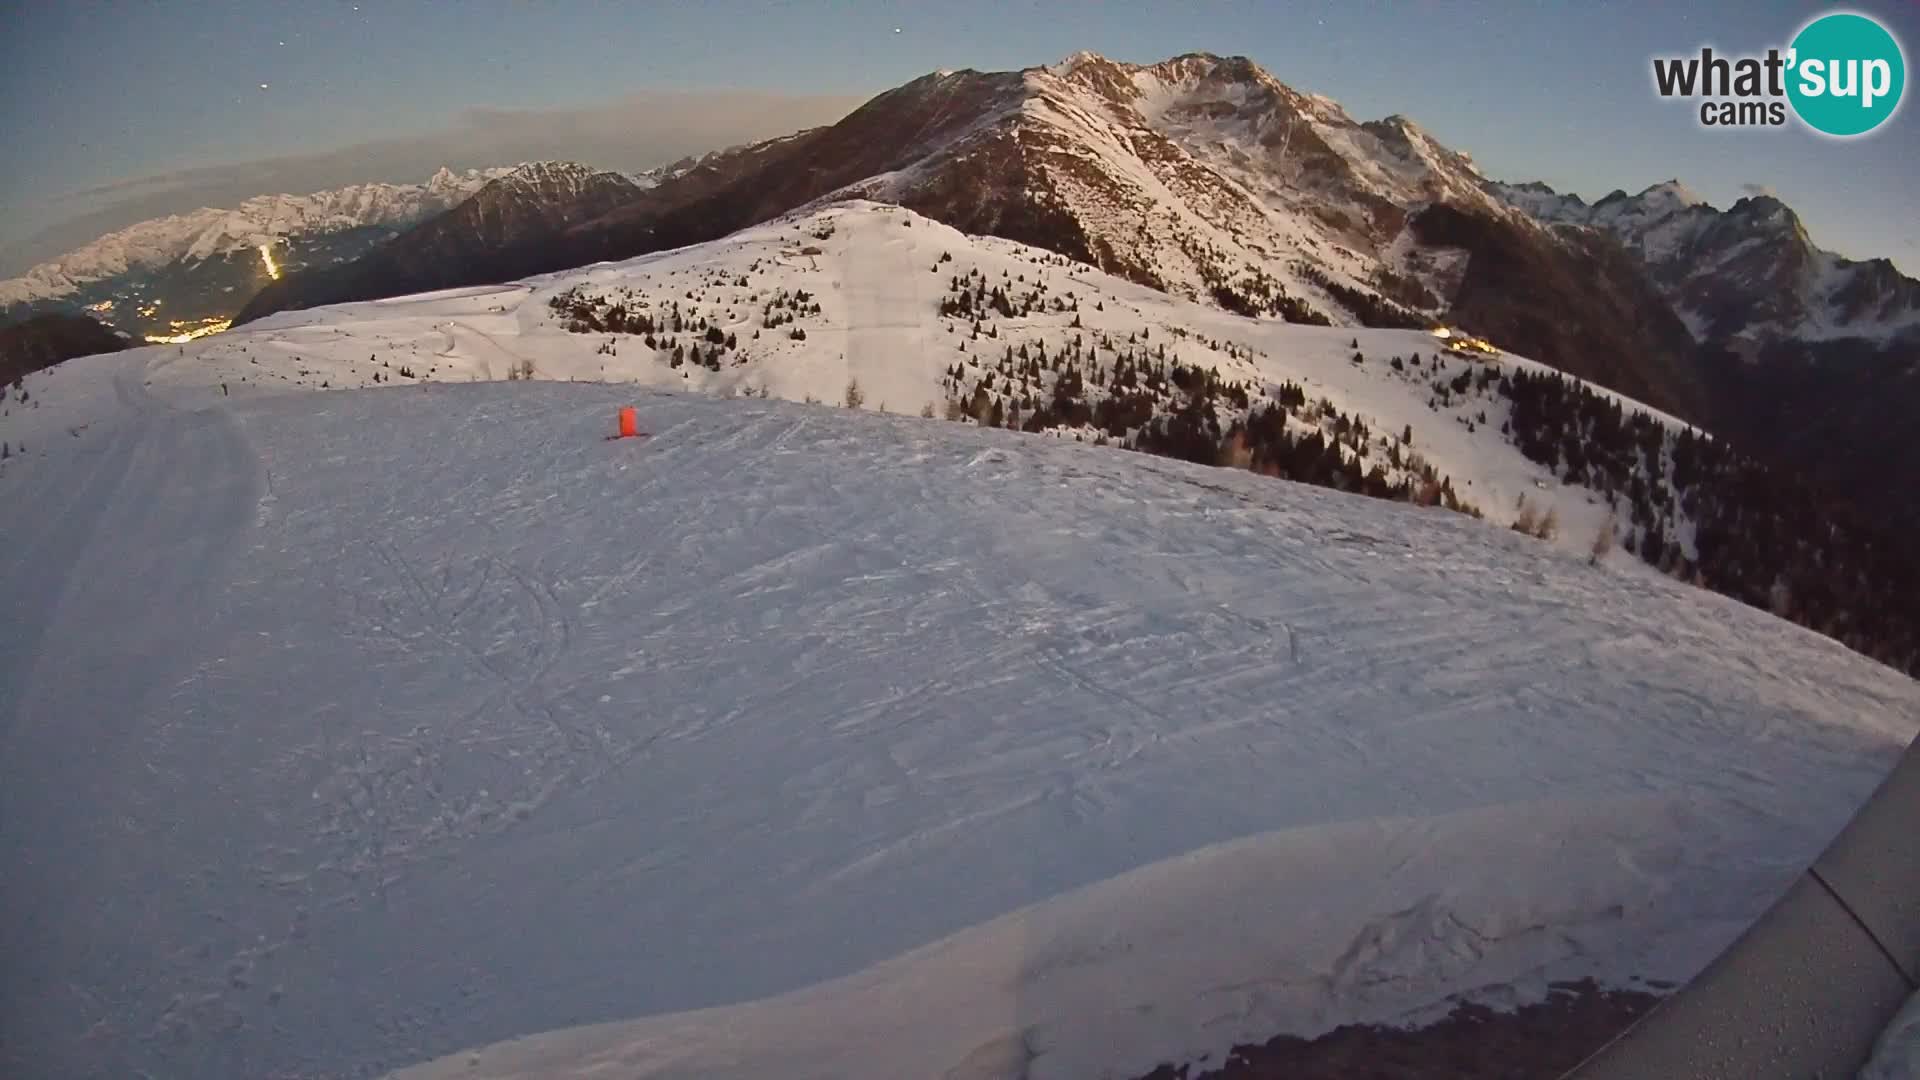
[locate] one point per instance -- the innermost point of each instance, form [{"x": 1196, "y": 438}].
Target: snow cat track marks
[
  {"x": 1138, "y": 735},
  {"x": 955, "y": 682},
  {"x": 676, "y": 525},
  {"x": 129, "y": 388},
  {"x": 533, "y": 762},
  {"x": 528, "y": 694},
  {"x": 135, "y": 558},
  {"x": 873, "y": 857},
  {"x": 444, "y": 623},
  {"x": 43, "y": 561},
  {"x": 425, "y": 611},
  {"x": 473, "y": 594}
]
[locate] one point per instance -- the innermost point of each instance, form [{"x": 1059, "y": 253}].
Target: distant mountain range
[
  {"x": 176, "y": 274},
  {"x": 1208, "y": 178},
  {"x": 1749, "y": 274},
  {"x": 489, "y": 237}
]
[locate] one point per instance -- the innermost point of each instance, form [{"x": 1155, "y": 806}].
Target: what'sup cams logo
[{"x": 1843, "y": 75}]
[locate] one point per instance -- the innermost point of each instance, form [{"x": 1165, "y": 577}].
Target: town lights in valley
[{"x": 184, "y": 332}]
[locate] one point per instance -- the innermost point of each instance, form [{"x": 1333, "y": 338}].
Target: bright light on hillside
[{"x": 185, "y": 332}]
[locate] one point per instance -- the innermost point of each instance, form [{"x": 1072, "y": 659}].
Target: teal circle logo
[{"x": 1846, "y": 74}]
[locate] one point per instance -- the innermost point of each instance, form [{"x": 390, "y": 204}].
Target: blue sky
[{"x": 95, "y": 93}]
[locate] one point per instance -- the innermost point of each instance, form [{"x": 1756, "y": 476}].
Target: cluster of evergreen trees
[
  {"x": 1758, "y": 535},
  {"x": 1371, "y": 309},
  {"x": 1259, "y": 294},
  {"x": 1249, "y": 291},
  {"x": 706, "y": 344},
  {"x": 1340, "y": 455},
  {"x": 585, "y": 314},
  {"x": 783, "y": 307},
  {"x": 969, "y": 296},
  {"x": 1761, "y": 536},
  {"x": 1134, "y": 394}
]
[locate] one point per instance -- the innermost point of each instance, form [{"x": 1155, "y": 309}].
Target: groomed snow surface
[{"x": 349, "y": 730}]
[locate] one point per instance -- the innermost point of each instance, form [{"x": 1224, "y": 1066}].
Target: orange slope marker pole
[{"x": 629, "y": 425}]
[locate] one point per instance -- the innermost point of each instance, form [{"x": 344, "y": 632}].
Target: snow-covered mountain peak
[
  {"x": 1541, "y": 202},
  {"x": 1638, "y": 213},
  {"x": 553, "y": 175},
  {"x": 1073, "y": 63},
  {"x": 1195, "y": 174},
  {"x": 660, "y": 174},
  {"x": 1201, "y": 69},
  {"x": 1191, "y": 81},
  {"x": 1766, "y": 211},
  {"x": 449, "y": 184},
  {"x": 1230, "y": 111},
  {"x": 1671, "y": 193},
  {"x": 550, "y": 193},
  {"x": 1441, "y": 171}
]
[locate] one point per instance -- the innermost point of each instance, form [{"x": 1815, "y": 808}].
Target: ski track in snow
[
  {"x": 350, "y": 730},
  {"x": 110, "y": 591}
]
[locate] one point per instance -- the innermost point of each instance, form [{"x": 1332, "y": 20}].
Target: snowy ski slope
[
  {"x": 877, "y": 274},
  {"x": 345, "y": 731}
]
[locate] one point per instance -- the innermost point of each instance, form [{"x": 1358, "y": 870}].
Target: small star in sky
[{"x": 263, "y": 86}]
